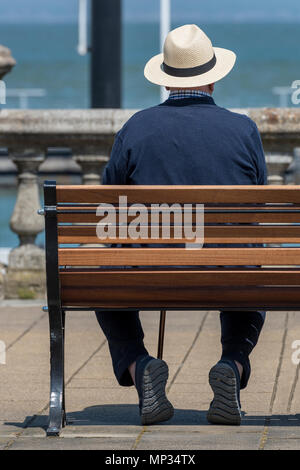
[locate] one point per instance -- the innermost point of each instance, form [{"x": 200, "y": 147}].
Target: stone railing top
[
  {"x": 109, "y": 121},
  {"x": 63, "y": 121},
  {"x": 276, "y": 120},
  {"x": 92, "y": 131}
]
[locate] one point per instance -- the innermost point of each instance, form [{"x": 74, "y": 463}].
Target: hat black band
[{"x": 190, "y": 72}]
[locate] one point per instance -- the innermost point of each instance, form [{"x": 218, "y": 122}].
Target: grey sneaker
[
  {"x": 151, "y": 377},
  {"x": 224, "y": 379}
]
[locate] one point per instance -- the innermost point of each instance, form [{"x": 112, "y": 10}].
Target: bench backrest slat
[
  {"x": 212, "y": 298},
  {"x": 285, "y": 215},
  {"x": 232, "y": 275},
  {"x": 178, "y": 256},
  {"x": 179, "y": 194},
  {"x": 93, "y": 278},
  {"x": 228, "y": 234}
]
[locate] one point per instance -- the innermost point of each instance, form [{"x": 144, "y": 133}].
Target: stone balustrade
[
  {"x": 7, "y": 62},
  {"x": 90, "y": 134}
]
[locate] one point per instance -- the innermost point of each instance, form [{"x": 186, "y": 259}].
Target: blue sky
[{"x": 148, "y": 10}]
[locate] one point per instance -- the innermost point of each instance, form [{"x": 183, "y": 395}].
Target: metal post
[
  {"x": 165, "y": 26},
  {"x": 82, "y": 28},
  {"x": 106, "y": 54},
  {"x": 161, "y": 335}
]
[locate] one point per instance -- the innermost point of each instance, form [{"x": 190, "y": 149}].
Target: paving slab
[
  {"x": 194, "y": 438},
  {"x": 75, "y": 443},
  {"x": 102, "y": 415}
]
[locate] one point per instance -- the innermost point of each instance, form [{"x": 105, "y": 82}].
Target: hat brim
[{"x": 155, "y": 74}]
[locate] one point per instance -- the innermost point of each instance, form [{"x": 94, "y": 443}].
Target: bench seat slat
[{"x": 177, "y": 256}]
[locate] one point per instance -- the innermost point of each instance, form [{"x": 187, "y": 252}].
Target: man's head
[{"x": 189, "y": 61}]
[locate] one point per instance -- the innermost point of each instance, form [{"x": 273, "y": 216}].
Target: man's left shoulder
[{"x": 238, "y": 117}]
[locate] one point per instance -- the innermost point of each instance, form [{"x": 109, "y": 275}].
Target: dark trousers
[{"x": 239, "y": 335}]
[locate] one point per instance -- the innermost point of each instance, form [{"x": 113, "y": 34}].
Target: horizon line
[{"x": 265, "y": 20}]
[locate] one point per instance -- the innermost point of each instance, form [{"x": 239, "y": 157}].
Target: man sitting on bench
[{"x": 187, "y": 140}]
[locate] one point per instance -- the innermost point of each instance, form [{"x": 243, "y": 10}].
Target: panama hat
[{"x": 189, "y": 60}]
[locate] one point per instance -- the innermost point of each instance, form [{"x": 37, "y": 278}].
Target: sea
[
  {"x": 46, "y": 54},
  {"x": 267, "y": 57}
]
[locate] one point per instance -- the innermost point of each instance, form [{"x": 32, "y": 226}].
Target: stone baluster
[
  {"x": 277, "y": 165},
  {"x": 296, "y": 176},
  {"x": 7, "y": 62},
  {"x": 26, "y": 265},
  {"x": 92, "y": 162},
  {"x": 91, "y": 166}
]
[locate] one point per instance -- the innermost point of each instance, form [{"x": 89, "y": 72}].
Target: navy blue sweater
[{"x": 187, "y": 141}]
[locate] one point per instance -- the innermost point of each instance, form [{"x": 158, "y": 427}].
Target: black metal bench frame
[
  {"x": 57, "y": 312},
  {"x": 57, "y": 315}
]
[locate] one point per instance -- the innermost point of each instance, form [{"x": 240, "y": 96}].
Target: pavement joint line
[
  {"x": 31, "y": 420},
  {"x": 97, "y": 436},
  {"x": 18, "y": 434},
  {"x": 145, "y": 429},
  {"x": 293, "y": 388},
  {"x": 265, "y": 433},
  {"x": 12, "y": 440},
  {"x": 264, "y": 436},
  {"x": 26, "y": 331},
  {"x": 188, "y": 351},
  {"x": 139, "y": 437},
  {"x": 22, "y": 303},
  {"x": 82, "y": 435},
  {"x": 85, "y": 362}
]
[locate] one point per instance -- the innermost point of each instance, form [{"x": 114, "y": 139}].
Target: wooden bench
[{"x": 81, "y": 277}]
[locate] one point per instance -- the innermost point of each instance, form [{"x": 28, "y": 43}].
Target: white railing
[{"x": 23, "y": 94}]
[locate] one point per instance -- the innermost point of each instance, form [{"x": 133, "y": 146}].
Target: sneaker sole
[
  {"x": 224, "y": 408},
  {"x": 156, "y": 407}
]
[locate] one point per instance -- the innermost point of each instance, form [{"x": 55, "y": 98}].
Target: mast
[
  {"x": 106, "y": 37},
  {"x": 165, "y": 26}
]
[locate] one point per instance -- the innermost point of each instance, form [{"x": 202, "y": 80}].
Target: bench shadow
[{"x": 128, "y": 415}]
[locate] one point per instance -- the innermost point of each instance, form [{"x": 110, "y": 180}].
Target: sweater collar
[
  {"x": 195, "y": 100},
  {"x": 184, "y": 93}
]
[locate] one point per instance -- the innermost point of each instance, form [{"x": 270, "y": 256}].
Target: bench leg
[
  {"x": 161, "y": 335},
  {"x": 63, "y": 317},
  {"x": 57, "y": 418}
]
